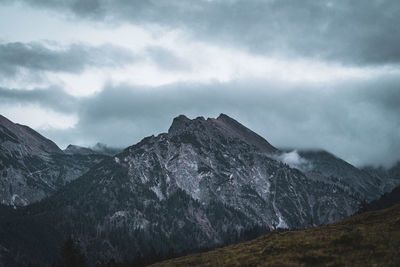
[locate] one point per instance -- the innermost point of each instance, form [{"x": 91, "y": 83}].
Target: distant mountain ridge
[
  {"x": 33, "y": 167},
  {"x": 74, "y": 149},
  {"x": 104, "y": 149},
  {"x": 389, "y": 177},
  {"x": 327, "y": 167},
  {"x": 386, "y": 201}
]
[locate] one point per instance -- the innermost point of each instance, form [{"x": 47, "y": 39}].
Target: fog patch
[{"x": 294, "y": 160}]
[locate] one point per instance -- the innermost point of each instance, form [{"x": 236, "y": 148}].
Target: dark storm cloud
[
  {"x": 349, "y": 32},
  {"x": 351, "y": 122},
  {"x": 37, "y": 57}
]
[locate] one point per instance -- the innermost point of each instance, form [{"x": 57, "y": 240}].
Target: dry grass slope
[{"x": 368, "y": 239}]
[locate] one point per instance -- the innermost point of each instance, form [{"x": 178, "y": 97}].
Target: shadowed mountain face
[
  {"x": 33, "y": 167},
  {"x": 22, "y": 139},
  {"x": 329, "y": 168},
  {"x": 390, "y": 177},
  {"x": 387, "y": 200}
]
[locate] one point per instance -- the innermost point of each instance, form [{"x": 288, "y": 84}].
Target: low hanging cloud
[
  {"x": 349, "y": 32},
  {"x": 294, "y": 160}
]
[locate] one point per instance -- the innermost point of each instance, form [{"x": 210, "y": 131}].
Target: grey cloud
[
  {"x": 166, "y": 59},
  {"x": 349, "y": 32},
  {"x": 53, "y": 98},
  {"x": 386, "y": 97},
  {"x": 37, "y": 57}
]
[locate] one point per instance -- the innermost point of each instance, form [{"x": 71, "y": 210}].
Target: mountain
[
  {"x": 98, "y": 148},
  {"x": 390, "y": 176},
  {"x": 368, "y": 239},
  {"x": 205, "y": 183},
  {"x": 322, "y": 165},
  {"x": 22, "y": 139},
  {"x": 33, "y": 167},
  {"x": 387, "y": 200},
  {"x": 78, "y": 150},
  {"x": 106, "y": 150}
]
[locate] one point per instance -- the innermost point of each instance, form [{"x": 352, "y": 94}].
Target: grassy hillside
[{"x": 368, "y": 239}]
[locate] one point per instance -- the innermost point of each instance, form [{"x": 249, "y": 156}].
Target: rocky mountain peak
[
  {"x": 4, "y": 121},
  {"x": 235, "y": 129},
  {"x": 33, "y": 167},
  {"x": 178, "y": 125},
  {"x": 20, "y": 137},
  {"x": 223, "y": 127}
]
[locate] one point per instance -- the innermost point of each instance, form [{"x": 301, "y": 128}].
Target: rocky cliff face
[
  {"x": 388, "y": 178},
  {"x": 33, "y": 167},
  {"x": 329, "y": 168},
  {"x": 387, "y": 200}
]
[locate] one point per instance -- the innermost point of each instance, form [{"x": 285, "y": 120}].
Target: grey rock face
[
  {"x": 367, "y": 183},
  {"x": 388, "y": 178},
  {"x": 219, "y": 160},
  {"x": 33, "y": 167}
]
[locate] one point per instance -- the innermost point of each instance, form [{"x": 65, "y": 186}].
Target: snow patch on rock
[{"x": 282, "y": 224}]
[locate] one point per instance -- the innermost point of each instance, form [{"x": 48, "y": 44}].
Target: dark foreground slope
[{"x": 368, "y": 239}]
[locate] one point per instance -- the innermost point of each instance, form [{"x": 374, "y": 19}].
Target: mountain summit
[
  {"x": 21, "y": 138},
  {"x": 223, "y": 128}
]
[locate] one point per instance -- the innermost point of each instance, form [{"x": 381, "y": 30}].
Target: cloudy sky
[{"x": 305, "y": 74}]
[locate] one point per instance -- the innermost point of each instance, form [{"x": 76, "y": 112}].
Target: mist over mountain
[
  {"x": 105, "y": 149},
  {"x": 203, "y": 184}
]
